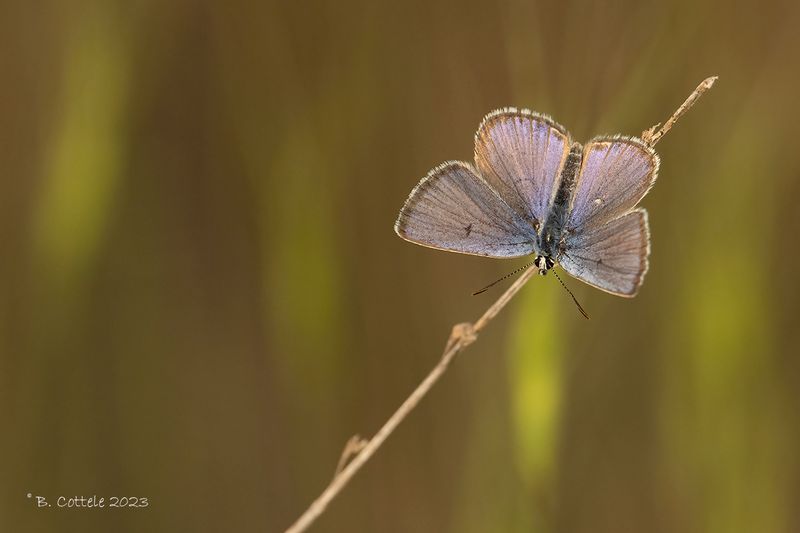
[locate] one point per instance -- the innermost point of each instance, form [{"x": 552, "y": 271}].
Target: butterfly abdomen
[{"x": 553, "y": 228}]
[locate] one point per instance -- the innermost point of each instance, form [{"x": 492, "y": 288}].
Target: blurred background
[{"x": 202, "y": 298}]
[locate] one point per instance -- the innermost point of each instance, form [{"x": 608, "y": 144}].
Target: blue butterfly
[{"x": 535, "y": 191}]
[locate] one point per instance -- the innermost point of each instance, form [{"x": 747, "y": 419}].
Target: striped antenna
[{"x": 492, "y": 284}]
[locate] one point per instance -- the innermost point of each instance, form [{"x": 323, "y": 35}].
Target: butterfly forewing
[
  {"x": 521, "y": 154},
  {"x": 453, "y": 209},
  {"x": 612, "y": 256},
  {"x": 615, "y": 174}
]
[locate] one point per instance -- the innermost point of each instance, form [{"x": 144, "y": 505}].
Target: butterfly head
[{"x": 544, "y": 263}]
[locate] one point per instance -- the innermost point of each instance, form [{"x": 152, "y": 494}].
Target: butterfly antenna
[
  {"x": 492, "y": 284},
  {"x": 570, "y": 293}
]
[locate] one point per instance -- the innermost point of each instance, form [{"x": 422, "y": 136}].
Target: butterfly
[{"x": 534, "y": 191}]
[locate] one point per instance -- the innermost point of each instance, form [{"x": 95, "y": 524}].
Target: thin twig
[
  {"x": 351, "y": 449},
  {"x": 651, "y": 136},
  {"x": 462, "y": 336}
]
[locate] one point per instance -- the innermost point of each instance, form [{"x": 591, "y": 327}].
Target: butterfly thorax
[{"x": 552, "y": 232}]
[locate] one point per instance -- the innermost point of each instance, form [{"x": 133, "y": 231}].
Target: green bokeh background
[{"x": 202, "y": 298}]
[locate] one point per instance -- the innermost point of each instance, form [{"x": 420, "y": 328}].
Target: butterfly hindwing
[
  {"x": 615, "y": 174},
  {"x": 521, "y": 154}
]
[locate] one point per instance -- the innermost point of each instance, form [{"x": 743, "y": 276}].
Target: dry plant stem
[
  {"x": 351, "y": 449},
  {"x": 463, "y": 335},
  {"x": 652, "y": 136}
]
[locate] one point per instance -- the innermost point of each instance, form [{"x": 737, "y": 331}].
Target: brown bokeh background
[{"x": 202, "y": 298}]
